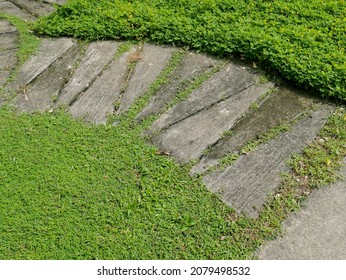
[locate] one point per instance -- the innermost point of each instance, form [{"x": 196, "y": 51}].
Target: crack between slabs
[
  {"x": 206, "y": 108},
  {"x": 22, "y": 7},
  {"x": 92, "y": 81}
]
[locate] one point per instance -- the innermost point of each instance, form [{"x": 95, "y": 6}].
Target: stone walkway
[{"x": 233, "y": 104}]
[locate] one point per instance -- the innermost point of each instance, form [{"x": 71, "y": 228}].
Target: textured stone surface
[
  {"x": 246, "y": 183},
  {"x": 231, "y": 80},
  {"x": 97, "y": 56},
  {"x": 49, "y": 51},
  {"x": 57, "y": 2},
  {"x": 282, "y": 106},
  {"x": 317, "y": 231},
  {"x": 11, "y": 9},
  {"x": 152, "y": 61},
  {"x": 33, "y": 7},
  {"x": 191, "y": 66},
  {"x": 100, "y": 99},
  {"x": 188, "y": 139},
  {"x": 40, "y": 94}
]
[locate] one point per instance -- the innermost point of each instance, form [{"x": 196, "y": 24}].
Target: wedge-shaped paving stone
[
  {"x": 153, "y": 60},
  {"x": 98, "y": 101},
  {"x": 232, "y": 79},
  {"x": 11, "y": 9},
  {"x": 282, "y": 106},
  {"x": 246, "y": 184},
  {"x": 317, "y": 231},
  {"x": 34, "y": 7},
  {"x": 49, "y": 51},
  {"x": 192, "y": 65},
  {"x": 97, "y": 56},
  {"x": 41, "y": 94},
  {"x": 188, "y": 139}
]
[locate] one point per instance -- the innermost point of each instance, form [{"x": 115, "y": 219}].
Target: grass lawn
[{"x": 69, "y": 190}]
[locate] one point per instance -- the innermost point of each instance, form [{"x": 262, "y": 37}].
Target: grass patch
[
  {"x": 302, "y": 40},
  {"x": 76, "y": 191}
]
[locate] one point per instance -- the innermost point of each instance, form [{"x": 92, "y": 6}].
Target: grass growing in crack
[{"x": 27, "y": 45}]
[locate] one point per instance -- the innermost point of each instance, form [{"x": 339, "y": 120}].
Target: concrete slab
[
  {"x": 246, "y": 184},
  {"x": 11, "y": 9},
  {"x": 189, "y": 138},
  {"x": 317, "y": 232},
  {"x": 232, "y": 79},
  {"x": 191, "y": 66},
  {"x": 6, "y": 27},
  {"x": 97, "y": 56},
  {"x": 39, "y": 95},
  {"x": 49, "y": 51},
  {"x": 152, "y": 60},
  {"x": 283, "y": 105},
  {"x": 33, "y": 7},
  {"x": 56, "y": 2},
  {"x": 9, "y": 41},
  {"x": 99, "y": 100}
]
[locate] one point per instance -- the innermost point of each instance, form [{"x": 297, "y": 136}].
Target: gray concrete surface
[{"x": 317, "y": 232}]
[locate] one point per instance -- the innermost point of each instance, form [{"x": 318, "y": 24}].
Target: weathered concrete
[
  {"x": 11, "y": 9},
  {"x": 57, "y": 2},
  {"x": 33, "y": 7},
  {"x": 6, "y": 27},
  {"x": 8, "y": 41},
  {"x": 95, "y": 104},
  {"x": 189, "y": 138},
  {"x": 40, "y": 94},
  {"x": 152, "y": 61},
  {"x": 317, "y": 231},
  {"x": 97, "y": 56},
  {"x": 232, "y": 79},
  {"x": 246, "y": 184},
  {"x": 191, "y": 66},
  {"x": 8, "y": 58},
  {"x": 49, "y": 51},
  {"x": 283, "y": 105}
]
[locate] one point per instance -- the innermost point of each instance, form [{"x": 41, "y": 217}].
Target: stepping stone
[
  {"x": 39, "y": 95},
  {"x": 246, "y": 184},
  {"x": 192, "y": 65},
  {"x": 8, "y": 58},
  {"x": 153, "y": 60},
  {"x": 98, "y": 55},
  {"x": 189, "y": 138},
  {"x": 6, "y": 27},
  {"x": 11, "y": 9},
  {"x": 49, "y": 51},
  {"x": 57, "y": 2},
  {"x": 99, "y": 100},
  {"x": 282, "y": 106},
  {"x": 317, "y": 231},
  {"x": 34, "y": 7},
  {"x": 231, "y": 80}
]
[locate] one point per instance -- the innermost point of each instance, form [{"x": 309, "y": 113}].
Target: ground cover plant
[
  {"x": 75, "y": 191},
  {"x": 69, "y": 190},
  {"x": 303, "y": 40}
]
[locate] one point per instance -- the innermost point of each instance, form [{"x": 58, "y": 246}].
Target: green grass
[
  {"x": 75, "y": 191},
  {"x": 304, "y": 41},
  {"x": 69, "y": 190}
]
